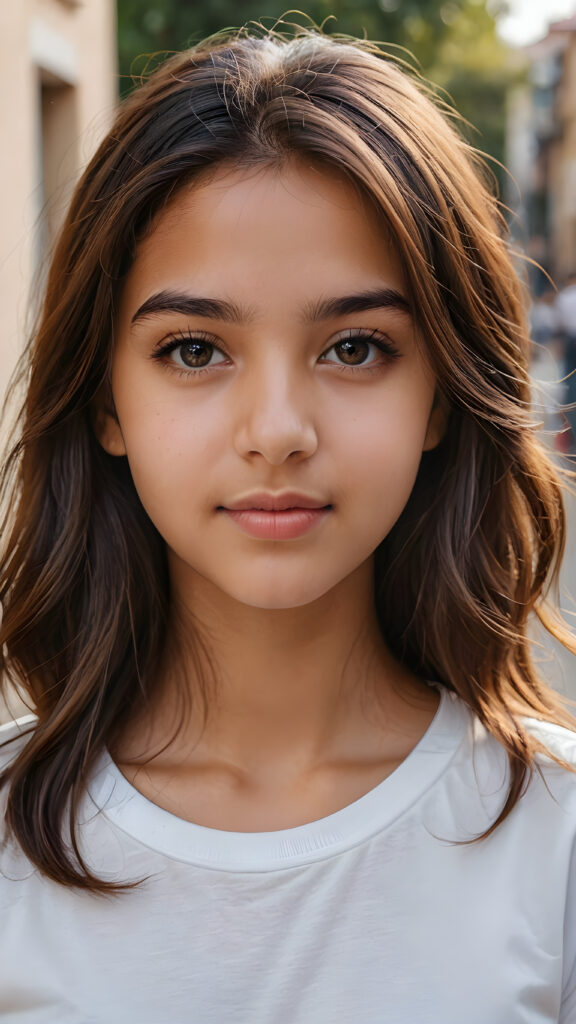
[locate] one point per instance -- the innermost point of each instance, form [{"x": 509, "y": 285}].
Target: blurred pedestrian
[{"x": 544, "y": 319}]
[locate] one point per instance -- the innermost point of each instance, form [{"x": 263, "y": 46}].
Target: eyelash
[{"x": 174, "y": 341}]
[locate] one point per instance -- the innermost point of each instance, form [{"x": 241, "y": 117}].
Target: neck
[{"x": 296, "y": 688}]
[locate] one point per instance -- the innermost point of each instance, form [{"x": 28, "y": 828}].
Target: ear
[
  {"x": 437, "y": 422},
  {"x": 106, "y": 426}
]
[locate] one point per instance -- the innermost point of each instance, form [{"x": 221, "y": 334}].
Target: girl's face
[{"x": 265, "y": 346}]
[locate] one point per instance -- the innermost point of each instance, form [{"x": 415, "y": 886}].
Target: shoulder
[
  {"x": 13, "y": 738},
  {"x": 483, "y": 763},
  {"x": 551, "y": 779},
  {"x": 558, "y": 740}
]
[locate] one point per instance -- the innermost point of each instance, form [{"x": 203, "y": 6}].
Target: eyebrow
[{"x": 220, "y": 309}]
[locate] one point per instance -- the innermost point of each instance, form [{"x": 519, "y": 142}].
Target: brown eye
[
  {"x": 359, "y": 351},
  {"x": 352, "y": 351},
  {"x": 191, "y": 354},
  {"x": 195, "y": 353}
]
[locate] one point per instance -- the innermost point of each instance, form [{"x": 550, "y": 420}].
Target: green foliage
[{"x": 453, "y": 42}]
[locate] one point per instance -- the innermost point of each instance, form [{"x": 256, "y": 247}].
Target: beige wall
[{"x": 58, "y": 88}]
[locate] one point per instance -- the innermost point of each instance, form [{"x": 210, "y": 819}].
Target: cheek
[
  {"x": 381, "y": 450},
  {"x": 387, "y": 433},
  {"x": 170, "y": 453}
]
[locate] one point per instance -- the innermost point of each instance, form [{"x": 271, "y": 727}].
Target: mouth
[
  {"x": 279, "y": 524},
  {"x": 275, "y": 511},
  {"x": 289, "y": 501}
]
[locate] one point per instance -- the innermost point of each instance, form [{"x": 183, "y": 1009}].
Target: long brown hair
[{"x": 84, "y": 584}]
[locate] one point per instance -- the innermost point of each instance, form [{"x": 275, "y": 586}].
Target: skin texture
[{"x": 312, "y": 709}]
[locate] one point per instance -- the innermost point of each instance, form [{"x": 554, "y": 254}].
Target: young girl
[{"x": 276, "y": 520}]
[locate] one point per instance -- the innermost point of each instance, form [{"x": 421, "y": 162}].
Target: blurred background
[{"x": 507, "y": 66}]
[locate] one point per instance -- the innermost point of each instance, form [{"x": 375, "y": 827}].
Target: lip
[
  {"x": 267, "y": 502},
  {"x": 279, "y": 524}
]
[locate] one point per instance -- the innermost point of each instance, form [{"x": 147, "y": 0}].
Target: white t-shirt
[{"x": 368, "y": 916}]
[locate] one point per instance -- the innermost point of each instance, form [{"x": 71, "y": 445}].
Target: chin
[
  {"x": 277, "y": 596},
  {"x": 275, "y": 602}
]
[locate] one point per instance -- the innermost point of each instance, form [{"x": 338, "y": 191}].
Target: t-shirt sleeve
[
  {"x": 13, "y": 736},
  {"x": 562, "y": 742},
  {"x": 568, "y": 1006}
]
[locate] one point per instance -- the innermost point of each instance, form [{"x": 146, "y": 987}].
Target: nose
[{"x": 275, "y": 418}]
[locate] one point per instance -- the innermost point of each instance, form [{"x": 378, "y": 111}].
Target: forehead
[{"x": 265, "y": 233}]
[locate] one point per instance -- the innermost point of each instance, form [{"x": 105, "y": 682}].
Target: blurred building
[
  {"x": 58, "y": 84},
  {"x": 542, "y": 151}
]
